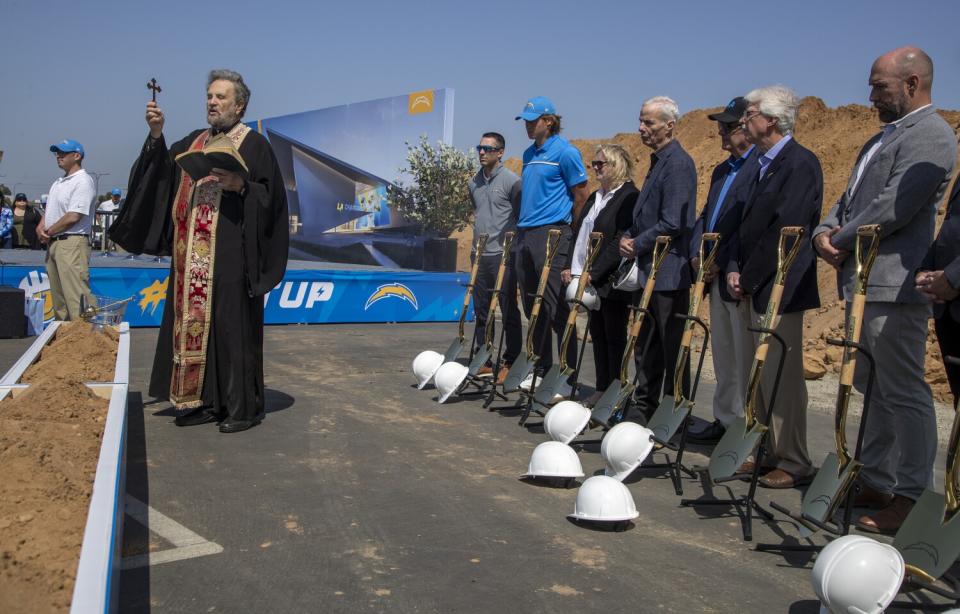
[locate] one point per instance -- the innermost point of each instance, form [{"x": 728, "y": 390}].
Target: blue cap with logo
[
  {"x": 68, "y": 146},
  {"x": 115, "y": 191},
  {"x": 536, "y": 107}
]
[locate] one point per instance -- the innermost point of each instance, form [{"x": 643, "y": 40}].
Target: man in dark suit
[
  {"x": 731, "y": 184},
  {"x": 899, "y": 177},
  {"x": 665, "y": 206},
  {"x": 940, "y": 280},
  {"x": 789, "y": 192}
]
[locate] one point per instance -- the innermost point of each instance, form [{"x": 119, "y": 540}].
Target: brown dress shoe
[
  {"x": 778, "y": 478},
  {"x": 871, "y": 497},
  {"x": 502, "y": 374},
  {"x": 889, "y": 519},
  {"x": 484, "y": 371}
]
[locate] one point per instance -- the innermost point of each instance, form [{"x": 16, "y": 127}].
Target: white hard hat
[
  {"x": 566, "y": 420},
  {"x": 552, "y": 459},
  {"x": 425, "y": 365},
  {"x": 603, "y": 498},
  {"x": 590, "y": 298},
  {"x": 624, "y": 447},
  {"x": 448, "y": 378},
  {"x": 854, "y": 574}
]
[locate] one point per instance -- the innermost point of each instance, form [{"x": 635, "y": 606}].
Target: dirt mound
[
  {"x": 49, "y": 445},
  {"x": 835, "y": 135}
]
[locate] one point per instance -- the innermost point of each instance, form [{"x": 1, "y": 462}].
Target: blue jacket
[{"x": 666, "y": 206}]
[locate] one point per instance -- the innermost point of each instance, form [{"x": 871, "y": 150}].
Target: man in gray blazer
[{"x": 899, "y": 177}]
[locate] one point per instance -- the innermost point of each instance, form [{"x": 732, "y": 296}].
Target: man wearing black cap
[
  {"x": 65, "y": 228},
  {"x": 730, "y": 186}
]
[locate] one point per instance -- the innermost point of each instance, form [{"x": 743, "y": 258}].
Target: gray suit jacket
[{"x": 899, "y": 189}]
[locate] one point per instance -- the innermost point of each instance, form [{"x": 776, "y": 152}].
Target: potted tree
[{"x": 437, "y": 199}]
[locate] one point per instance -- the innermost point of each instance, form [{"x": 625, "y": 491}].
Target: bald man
[{"x": 897, "y": 181}]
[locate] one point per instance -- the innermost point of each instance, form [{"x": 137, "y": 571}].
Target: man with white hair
[
  {"x": 666, "y": 206},
  {"x": 897, "y": 181},
  {"x": 789, "y": 192}
]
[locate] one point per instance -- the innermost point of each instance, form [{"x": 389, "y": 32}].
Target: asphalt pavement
[{"x": 361, "y": 493}]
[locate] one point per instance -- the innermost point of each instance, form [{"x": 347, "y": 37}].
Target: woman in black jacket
[{"x": 609, "y": 210}]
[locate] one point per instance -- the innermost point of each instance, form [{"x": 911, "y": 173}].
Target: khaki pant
[
  {"x": 787, "y": 439},
  {"x": 726, "y": 340},
  {"x": 68, "y": 270}
]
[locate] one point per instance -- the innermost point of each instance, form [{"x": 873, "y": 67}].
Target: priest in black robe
[{"x": 227, "y": 236}]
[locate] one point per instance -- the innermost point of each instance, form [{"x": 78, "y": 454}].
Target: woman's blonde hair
[{"x": 619, "y": 163}]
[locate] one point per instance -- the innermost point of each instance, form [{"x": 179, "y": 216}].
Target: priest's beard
[{"x": 222, "y": 122}]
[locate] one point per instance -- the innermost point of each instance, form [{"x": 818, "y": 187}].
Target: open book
[{"x": 219, "y": 152}]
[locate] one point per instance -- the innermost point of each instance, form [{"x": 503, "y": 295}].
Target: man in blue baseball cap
[
  {"x": 65, "y": 228},
  {"x": 554, "y": 192}
]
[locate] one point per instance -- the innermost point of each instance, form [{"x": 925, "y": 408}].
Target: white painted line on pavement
[{"x": 187, "y": 544}]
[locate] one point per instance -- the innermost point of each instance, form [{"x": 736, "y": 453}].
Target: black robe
[{"x": 252, "y": 236}]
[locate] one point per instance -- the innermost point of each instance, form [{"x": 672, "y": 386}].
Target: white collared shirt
[
  {"x": 884, "y": 135},
  {"x": 586, "y": 227},
  {"x": 74, "y": 193}
]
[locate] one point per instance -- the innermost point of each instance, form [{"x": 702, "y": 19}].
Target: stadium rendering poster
[{"x": 337, "y": 163}]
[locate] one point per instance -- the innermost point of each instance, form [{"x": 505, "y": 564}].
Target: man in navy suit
[
  {"x": 939, "y": 279},
  {"x": 730, "y": 186},
  {"x": 665, "y": 206},
  {"x": 789, "y": 192}
]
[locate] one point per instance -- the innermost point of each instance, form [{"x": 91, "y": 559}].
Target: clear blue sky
[{"x": 79, "y": 69}]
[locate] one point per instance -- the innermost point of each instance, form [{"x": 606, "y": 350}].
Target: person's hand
[
  {"x": 228, "y": 180},
  {"x": 627, "y": 248},
  {"x": 566, "y": 276},
  {"x": 934, "y": 285},
  {"x": 154, "y": 120},
  {"x": 42, "y": 234},
  {"x": 733, "y": 285},
  {"x": 695, "y": 263},
  {"x": 833, "y": 256},
  {"x": 711, "y": 273}
]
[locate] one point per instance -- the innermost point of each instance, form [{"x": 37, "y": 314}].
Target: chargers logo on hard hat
[{"x": 399, "y": 291}]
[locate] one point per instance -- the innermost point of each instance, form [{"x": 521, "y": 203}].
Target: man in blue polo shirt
[{"x": 554, "y": 191}]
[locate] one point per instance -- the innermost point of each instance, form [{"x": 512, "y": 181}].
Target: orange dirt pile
[
  {"x": 49, "y": 445},
  {"x": 835, "y": 136}
]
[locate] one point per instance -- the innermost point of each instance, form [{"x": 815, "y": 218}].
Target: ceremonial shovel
[
  {"x": 486, "y": 350},
  {"x": 559, "y": 373},
  {"x": 742, "y": 435},
  {"x": 457, "y": 345},
  {"x": 838, "y": 471},
  {"x": 620, "y": 390},
  {"x": 673, "y": 410},
  {"x": 526, "y": 362},
  {"x": 929, "y": 539}
]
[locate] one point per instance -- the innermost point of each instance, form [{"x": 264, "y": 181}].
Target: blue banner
[{"x": 303, "y": 297}]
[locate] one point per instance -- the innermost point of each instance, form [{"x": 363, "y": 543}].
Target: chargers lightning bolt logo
[
  {"x": 153, "y": 295},
  {"x": 399, "y": 291}
]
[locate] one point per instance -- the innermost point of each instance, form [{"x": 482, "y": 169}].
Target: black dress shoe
[
  {"x": 203, "y": 415},
  {"x": 235, "y": 426},
  {"x": 710, "y": 434}
]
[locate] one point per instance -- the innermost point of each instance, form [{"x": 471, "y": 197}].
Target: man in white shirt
[{"x": 65, "y": 228}]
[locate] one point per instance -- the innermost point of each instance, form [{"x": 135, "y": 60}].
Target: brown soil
[
  {"x": 49, "y": 445},
  {"x": 836, "y": 136}
]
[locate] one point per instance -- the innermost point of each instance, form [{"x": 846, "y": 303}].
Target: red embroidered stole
[{"x": 195, "y": 215}]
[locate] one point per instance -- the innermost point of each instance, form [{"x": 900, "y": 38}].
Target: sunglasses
[
  {"x": 598, "y": 164},
  {"x": 730, "y": 128},
  {"x": 487, "y": 148}
]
